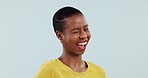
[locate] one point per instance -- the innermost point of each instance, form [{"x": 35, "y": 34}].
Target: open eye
[{"x": 86, "y": 29}]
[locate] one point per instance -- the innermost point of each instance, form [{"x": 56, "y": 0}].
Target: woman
[{"x": 72, "y": 30}]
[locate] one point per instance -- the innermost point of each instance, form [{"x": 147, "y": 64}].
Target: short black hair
[{"x": 61, "y": 14}]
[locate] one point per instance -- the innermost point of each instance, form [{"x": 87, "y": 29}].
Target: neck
[
  {"x": 74, "y": 62},
  {"x": 66, "y": 58}
]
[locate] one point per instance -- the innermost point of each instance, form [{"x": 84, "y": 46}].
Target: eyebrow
[{"x": 86, "y": 26}]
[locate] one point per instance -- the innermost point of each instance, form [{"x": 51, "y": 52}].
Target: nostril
[{"x": 83, "y": 36}]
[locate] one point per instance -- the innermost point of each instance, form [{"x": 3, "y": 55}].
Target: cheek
[
  {"x": 89, "y": 35},
  {"x": 70, "y": 39},
  {"x": 73, "y": 39}
]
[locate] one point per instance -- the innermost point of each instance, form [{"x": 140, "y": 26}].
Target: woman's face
[{"x": 76, "y": 35}]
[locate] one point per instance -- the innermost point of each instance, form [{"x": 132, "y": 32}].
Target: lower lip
[{"x": 81, "y": 47}]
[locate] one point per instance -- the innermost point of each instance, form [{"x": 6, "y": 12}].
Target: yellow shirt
[{"x": 56, "y": 69}]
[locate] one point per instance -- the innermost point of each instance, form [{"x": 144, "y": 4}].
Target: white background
[{"x": 119, "y": 42}]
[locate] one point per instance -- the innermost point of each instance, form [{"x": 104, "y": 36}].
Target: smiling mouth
[{"x": 82, "y": 45}]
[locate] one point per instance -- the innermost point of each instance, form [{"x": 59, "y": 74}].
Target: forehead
[{"x": 76, "y": 21}]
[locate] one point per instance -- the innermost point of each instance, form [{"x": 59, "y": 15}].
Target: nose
[{"x": 83, "y": 35}]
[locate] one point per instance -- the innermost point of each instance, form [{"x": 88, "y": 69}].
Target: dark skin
[{"x": 74, "y": 39}]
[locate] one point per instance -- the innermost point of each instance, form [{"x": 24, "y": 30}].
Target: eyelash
[
  {"x": 77, "y": 31},
  {"x": 86, "y": 29}
]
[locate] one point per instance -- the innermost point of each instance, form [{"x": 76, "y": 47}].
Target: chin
[{"x": 80, "y": 52}]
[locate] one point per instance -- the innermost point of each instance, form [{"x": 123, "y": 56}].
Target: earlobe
[{"x": 59, "y": 36}]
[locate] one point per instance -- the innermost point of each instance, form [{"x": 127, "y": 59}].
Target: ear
[{"x": 59, "y": 35}]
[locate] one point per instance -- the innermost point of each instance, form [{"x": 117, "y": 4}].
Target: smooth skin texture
[{"x": 75, "y": 33}]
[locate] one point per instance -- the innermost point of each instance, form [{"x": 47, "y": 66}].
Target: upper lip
[{"x": 83, "y": 42}]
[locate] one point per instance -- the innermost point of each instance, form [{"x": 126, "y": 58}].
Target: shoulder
[
  {"x": 47, "y": 65},
  {"x": 45, "y": 69},
  {"x": 95, "y": 67},
  {"x": 50, "y": 63}
]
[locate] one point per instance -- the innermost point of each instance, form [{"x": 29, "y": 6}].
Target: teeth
[{"x": 82, "y": 44}]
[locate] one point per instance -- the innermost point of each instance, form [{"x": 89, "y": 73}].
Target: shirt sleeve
[{"x": 43, "y": 72}]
